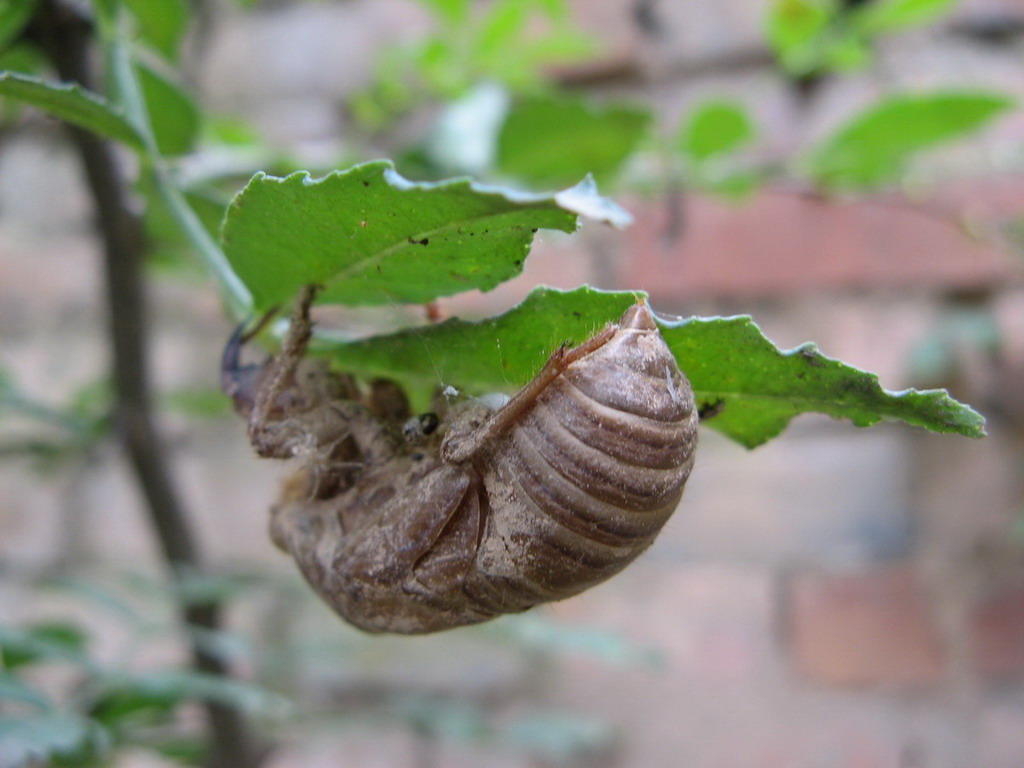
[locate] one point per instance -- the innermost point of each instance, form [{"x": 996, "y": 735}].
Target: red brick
[
  {"x": 997, "y": 636},
  {"x": 867, "y": 628},
  {"x": 782, "y": 244}
]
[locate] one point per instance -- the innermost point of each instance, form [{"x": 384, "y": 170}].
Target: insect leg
[
  {"x": 241, "y": 382},
  {"x": 285, "y": 363},
  {"x": 459, "y": 448}
]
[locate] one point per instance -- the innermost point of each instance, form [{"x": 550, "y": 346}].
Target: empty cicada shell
[{"x": 414, "y": 525}]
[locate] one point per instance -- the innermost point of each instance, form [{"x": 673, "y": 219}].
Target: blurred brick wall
[{"x": 836, "y": 598}]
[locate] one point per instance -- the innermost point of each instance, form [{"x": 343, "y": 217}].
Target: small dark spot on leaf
[
  {"x": 366, "y": 183},
  {"x": 860, "y": 387},
  {"x": 517, "y": 263},
  {"x": 576, "y": 314},
  {"x": 533, "y": 230},
  {"x": 710, "y": 409},
  {"x": 414, "y": 241},
  {"x": 810, "y": 354}
]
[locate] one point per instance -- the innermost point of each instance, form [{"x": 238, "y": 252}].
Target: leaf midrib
[{"x": 367, "y": 263}]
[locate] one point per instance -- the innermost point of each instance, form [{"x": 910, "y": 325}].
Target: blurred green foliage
[
  {"x": 533, "y": 134},
  {"x": 531, "y": 145},
  {"x": 875, "y": 146},
  {"x": 108, "y": 705},
  {"x": 815, "y": 36},
  {"x": 471, "y": 42}
]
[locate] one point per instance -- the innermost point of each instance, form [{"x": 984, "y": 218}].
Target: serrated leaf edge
[{"x": 972, "y": 425}]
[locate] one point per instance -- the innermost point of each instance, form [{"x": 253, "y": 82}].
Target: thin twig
[
  {"x": 930, "y": 209},
  {"x": 66, "y": 36}
]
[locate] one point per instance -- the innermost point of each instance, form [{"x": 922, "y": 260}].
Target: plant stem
[
  {"x": 66, "y": 36},
  {"x": 122, "y": 74}
]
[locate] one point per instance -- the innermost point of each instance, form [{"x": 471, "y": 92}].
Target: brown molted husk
[{"x": 499, "y": 510}]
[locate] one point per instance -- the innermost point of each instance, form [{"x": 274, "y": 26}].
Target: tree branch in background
[{"x": 67, "y": 36}]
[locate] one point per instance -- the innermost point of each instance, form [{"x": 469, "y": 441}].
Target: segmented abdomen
[{"x": 585, "y": 481}]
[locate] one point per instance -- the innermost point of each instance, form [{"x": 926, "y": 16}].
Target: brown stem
[{"x": 66, "y": 36}]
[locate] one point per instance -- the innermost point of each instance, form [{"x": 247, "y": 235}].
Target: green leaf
[
  {"x": 372, "y": 237},
  {"x": 182, "y": 749},
  {"x": 748, "y": 388},
  {"x": 736, "y": 187},
  {"x": 170, "y": 247},
  {"x": 874, "y": 146},
  {"x": 437, "y": 63},
  {"x": 94, "y": 596},
  {"x": 564, "y": 45},
  {"x": 72, "y": 103},
  {"x": 13, "y": 688},
  {"x": 502, "y": 26},
  {"x": 549, "y": 142},
  {"x": 534, "y": 632},
  {"x": 30, "y": 740},
  {"x": 452, "y": 720},
  {"x": 172, "y": 112},
  {"x": 206, "y": 403},
  {"x": 47, "y": 641},
  {"x": 107, "y": 10},
  {"x": 451, "y": 11},
  {"x": 501, "y": 353},
  {"x": 511, "y": 48},
  {"x": 556, "y": 10},
  {"x": 162, "y": 23},
  {"x": 14, "y": 15},
  {"x": 559, "y": 737},
  {"x": 891, "y": 15},
  {"x": 192, "y": 588},
  {"x": 23, "y": 57},
  {"x": 714, "y": 128},
  {"x": 161, "y": 690},
  {"x": 751, "y": 390},
  {"x": 845, "y": 51},
  {"x": 795, "y": 31}
]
